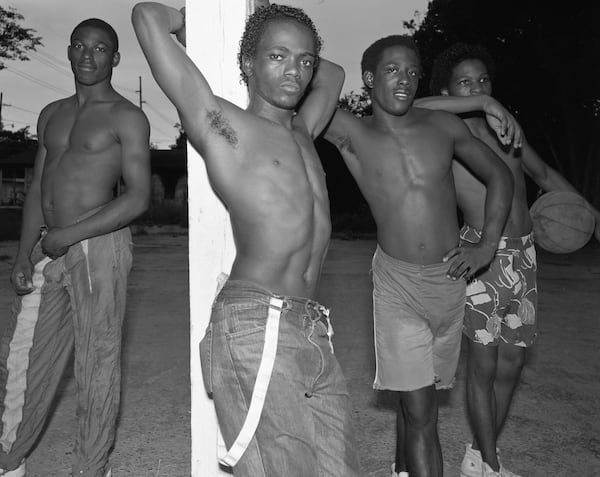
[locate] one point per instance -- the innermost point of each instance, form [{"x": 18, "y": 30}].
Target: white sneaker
[
  {"x": 398, "y": 474},
  {"x": 472, "y": 463},
  {"x": 18, "y": 472},
  {"x": 504, "y": 472},
  {"x": 486, "y": 471}
]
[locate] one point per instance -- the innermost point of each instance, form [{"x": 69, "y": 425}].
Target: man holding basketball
[{"x": 500, "y": 317}]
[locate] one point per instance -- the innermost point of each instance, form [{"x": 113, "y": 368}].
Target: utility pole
[
  {"x": 140, "y": 92},
  {"x": 1, "y": 127}
]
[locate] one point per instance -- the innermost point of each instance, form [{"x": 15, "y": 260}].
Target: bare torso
[
  {"x": 406, "y": 177},
  {"x": 83, "y": 158},
  {"x": 273, "y": 184},
  {"x": 471, "y": 192}
]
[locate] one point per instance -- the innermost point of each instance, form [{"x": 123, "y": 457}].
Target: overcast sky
[{"x": 347, "y": 28}]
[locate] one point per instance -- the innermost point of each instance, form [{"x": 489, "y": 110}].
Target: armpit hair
[{"x": 222, "y": 127}]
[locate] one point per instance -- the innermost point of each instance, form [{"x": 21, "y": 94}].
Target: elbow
[
  {"x": 142, "y": 13},
  {"x": 140, "y": 205},
  {"x": 144, "y": 205}
]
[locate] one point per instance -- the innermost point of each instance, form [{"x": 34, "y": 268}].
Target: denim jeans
[{"x": 305, "y": 428}]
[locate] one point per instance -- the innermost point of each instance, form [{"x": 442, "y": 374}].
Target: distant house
[{"x": 169, "y": 169}]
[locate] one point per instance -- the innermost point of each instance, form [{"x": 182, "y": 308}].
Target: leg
[
  {"x": 423, "y": 448},
  {"x": 331, "y": 408},
  {"x": 400, "y": 462},
  {"x": 510, "y": 364},
  {"x": 34, "y": 352},
  {"x": 481, "y": 405},
  {"x": 99, "y": 300}
]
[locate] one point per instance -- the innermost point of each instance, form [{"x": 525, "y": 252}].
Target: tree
[
  {"x": 548, "y": 74},
  {"x": 15, "y": 40},
  {"x": 181, "y": 141},
  {"x": 358, "y": 104},
  {"x": 14, "y": 142}
]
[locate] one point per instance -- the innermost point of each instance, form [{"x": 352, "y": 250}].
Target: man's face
[
  {"x": 469, "y": 77},
  {"x": 92, "y": 55},
  {"x": 395, "y": 81},
  {"x": 284, "y": 63}
]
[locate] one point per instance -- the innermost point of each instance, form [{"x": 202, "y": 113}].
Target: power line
[
  {"x": 37, "y": 81},
  {"x": 161, "y": 115},
  {"x": 20, "y": 109},
  {"x": 51, "y": 64}
]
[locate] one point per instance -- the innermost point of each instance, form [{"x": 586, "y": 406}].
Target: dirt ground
[{"x": 554, "y": 425}]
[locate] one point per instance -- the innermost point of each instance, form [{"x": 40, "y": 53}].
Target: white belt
[{"x": 231, "y": 457}]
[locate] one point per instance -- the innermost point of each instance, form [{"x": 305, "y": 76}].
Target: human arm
[
  {"x": 33, "y": 216},
  {"x": 321, "y": 101},
  {"x": 174, "y": 71},
  {"x": 465, "y": 260},
  {"x": 549, "y": 179},
  {"x": 133, "y": 132},
  {"x": 501, "y": 121}
]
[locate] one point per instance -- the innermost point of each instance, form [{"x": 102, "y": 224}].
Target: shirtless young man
[
  {"x": 71, "y": 278},
  {"x": 263, "y": 164},
  {"x": 500, "y": 319},
  {"x": 401, "y": 158}
]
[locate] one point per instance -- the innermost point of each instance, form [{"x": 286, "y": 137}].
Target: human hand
[
  {"x": 503, "y": 123},
  {"x": 468, "y": 258},
  {"x": 54, "y": 244},
  {"x": 180, "y": 34},
  {"x": 21, "y": 276}
]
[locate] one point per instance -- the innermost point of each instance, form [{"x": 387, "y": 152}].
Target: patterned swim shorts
[{"x": 502, "y": 299}]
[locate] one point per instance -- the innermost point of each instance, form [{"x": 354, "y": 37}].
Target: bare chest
[{"x": 80, "y": 135}]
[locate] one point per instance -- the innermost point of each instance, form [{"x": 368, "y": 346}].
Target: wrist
[{"x": 489, "y": 243}]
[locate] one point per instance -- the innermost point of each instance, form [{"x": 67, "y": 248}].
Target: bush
[{"x": 168, "y": 212}]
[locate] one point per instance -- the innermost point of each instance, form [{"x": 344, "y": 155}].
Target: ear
[
  {"x": 368, "y": 79},
  {"x": 248, "y": 66},
  {"x": 444, "y": 92},
  {"x": 116, "y": 58}
]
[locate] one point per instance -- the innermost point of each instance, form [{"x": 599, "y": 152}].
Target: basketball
[{"x": 562, "y": 221}]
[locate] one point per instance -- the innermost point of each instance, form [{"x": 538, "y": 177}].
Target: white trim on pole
[{"x": 213, "y": 32}]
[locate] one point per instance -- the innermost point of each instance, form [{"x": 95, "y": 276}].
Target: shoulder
[
  {"x": 445, "y": 121},
  {"x": 54, "y": 106},
  {"x": 127, "y": 114},
  {"x": 55, "y": 109}
]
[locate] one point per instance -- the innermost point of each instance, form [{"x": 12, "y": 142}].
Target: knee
[
  {"x": 482, "y": 371},
  {"x": 511, "y": 359},
  {"x": 420, "y": 413}
]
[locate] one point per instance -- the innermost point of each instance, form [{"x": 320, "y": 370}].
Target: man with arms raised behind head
[
  {"x": 263, "y": 165},
  {"x": 71, "y": 278},
  {"x": 401, "y": 158}
]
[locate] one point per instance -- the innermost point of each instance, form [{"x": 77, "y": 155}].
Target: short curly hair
[
  {"x": 100, "y": 25},
  {"x": 372, "y": 54},
  {"x": 446, "y": 61},
  {"x": 255, "y": 26}
]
